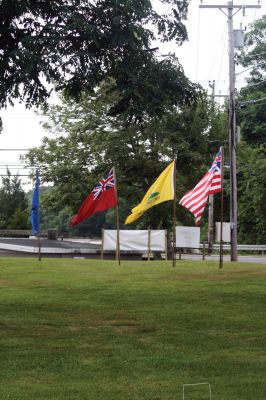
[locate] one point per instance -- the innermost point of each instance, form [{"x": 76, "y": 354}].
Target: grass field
[{"x": 86, "y": 329}]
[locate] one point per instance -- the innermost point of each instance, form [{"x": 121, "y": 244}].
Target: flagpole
[
  {"x": 35, "y": 212},
  {"x": 102, "y": 244},
  {"x": 39, "y": 246},
  {"x": 39, "y": 230},
  {"x": 117, "y": 222},
  {"x": 174, "y": 219},
  {"x": 149, "y": 244},
  {"x": 222, "y": 207}
]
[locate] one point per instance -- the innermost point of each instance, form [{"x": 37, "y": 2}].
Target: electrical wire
[
  {"x": 256, "y": 84},
  {"x": 255, "y": 101},
  {"x": 29, "y": 176},
  {"x": 247, "y": 69},
  {"x": 220, "y": 69},
  {"x": 198, "y": 41},
  {"x": 15, "y": 149},
  {"x": 257, "y": 54}
]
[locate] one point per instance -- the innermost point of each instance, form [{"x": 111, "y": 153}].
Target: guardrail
[
  {"x": 240, "y": 247},
  {"x": 19, "y": 232}
]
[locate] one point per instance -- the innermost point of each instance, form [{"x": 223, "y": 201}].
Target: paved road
[
  {"x": 61, "y": 244},
  {"x": 92, "y": 247},
  {"x": 246, "y": 259},
  {"x": 56, "y": 248}
]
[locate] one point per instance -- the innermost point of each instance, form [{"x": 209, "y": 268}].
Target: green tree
[
  {"x": 86, "y": 141},
  {"x": 14, "y": 213},
  {"x": 76, "y": 44},
  {"x": 251, "y": 117},
  {"x": 251, "y": 101},
  {"x": 251, "y": 194}
]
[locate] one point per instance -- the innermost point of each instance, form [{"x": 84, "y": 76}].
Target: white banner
[
  {"x": 188, "y": 237},
  {"x": 135, "y": 240}
]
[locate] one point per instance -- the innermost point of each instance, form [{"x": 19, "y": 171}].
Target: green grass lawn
[{"x": 89, "y": 329}]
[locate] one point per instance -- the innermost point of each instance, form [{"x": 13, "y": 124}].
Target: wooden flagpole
[
  {"x": 102, "y": 244},
  {"x": 222, "y": 207},
  {"x": 118, "y": 257},
  {"x": 39, "y": 247},
  {"x": 165, "y": 244},
  {"x": 149, "y": 245},
  {"x": 174, "y": 219}
]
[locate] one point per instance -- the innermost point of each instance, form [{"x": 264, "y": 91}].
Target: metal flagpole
[
  {"x": 117, "y": 222},
  {"x": 222, "y": 207},
  {"x": 174, "y": 219}
]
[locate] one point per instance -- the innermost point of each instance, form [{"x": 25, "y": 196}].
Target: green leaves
[
  {"x": 14, "y": 213},
  {"x": 251, "y": 112},
  {"x": 86, "y": 141},
  {"x": 75, "y": 45},
  {"x": 251, "y": 194}
]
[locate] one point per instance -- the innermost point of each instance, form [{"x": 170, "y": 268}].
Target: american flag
[
  {"x": 106, "y": 183},
  {"x": 195, "y": 200}
]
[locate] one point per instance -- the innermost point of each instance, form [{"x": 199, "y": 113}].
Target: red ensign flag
[{"x": 102, "y": 197}]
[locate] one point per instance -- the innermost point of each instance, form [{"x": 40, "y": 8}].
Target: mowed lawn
[{"x": 89, "y": 329}]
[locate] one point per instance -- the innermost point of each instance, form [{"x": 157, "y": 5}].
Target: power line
[
  {"x": 221, "y": 63},
  {"x": 15, "y": 149},
  {"x": 198, "y": 39},
  {"x": 253, "y": 66},
  {"x": 256, "y": 84},
  {"x": 256, "y": 54},
  {"x": 251, "y": 101},
  {"x": 29, "y": 176}
]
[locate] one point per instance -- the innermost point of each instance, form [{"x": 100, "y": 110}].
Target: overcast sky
[{"x": 204, "y": 58}]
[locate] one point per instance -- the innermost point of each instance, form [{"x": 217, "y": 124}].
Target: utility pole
[
  {"x": 211, "y": 197},
  {"x": 228, "y": 11}
]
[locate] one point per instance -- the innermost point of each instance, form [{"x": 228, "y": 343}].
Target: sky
[{"x": 204, "y": 58}]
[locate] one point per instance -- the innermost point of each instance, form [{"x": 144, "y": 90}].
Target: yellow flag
[{"x": 161, "y": 190}]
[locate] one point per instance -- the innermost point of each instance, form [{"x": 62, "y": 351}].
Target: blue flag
[{"x": 35, "y": 208}]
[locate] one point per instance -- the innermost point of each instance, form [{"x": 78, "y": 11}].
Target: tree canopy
[
  {"x": 252, "y": 98},
  {"x": 73, "y": 45},
  {"x": 251, "y": 194},
  {"x": 251, "y": 117},
  {"x": 14, "y": 213},
  {"x": 84, "y": 141}
]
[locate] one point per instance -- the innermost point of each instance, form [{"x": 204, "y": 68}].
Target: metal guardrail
[
  {"x": 16, "y": 232},
  {"x": 19, "y": 232},
  {"x": 240, "y": 247}
]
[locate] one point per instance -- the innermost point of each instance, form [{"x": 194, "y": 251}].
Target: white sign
[
  {"x": 226, "y": 232},
  {"x": 188, "y": 237}
]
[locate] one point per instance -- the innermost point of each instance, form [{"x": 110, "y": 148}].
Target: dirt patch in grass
[
  {"x": 117, "y": 326},
  {"x": 6, "y": 282}
]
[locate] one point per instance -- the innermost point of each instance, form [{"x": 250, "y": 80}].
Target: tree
[
  {"x": 251, "y": 101},
  {"x": 14, "y": 213},
  {"x": 86, "y": 141},
  {"x": 251, "y": 152},
  {"x": 76, "y": 44},
  {"x": 251, "y": 194}
]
